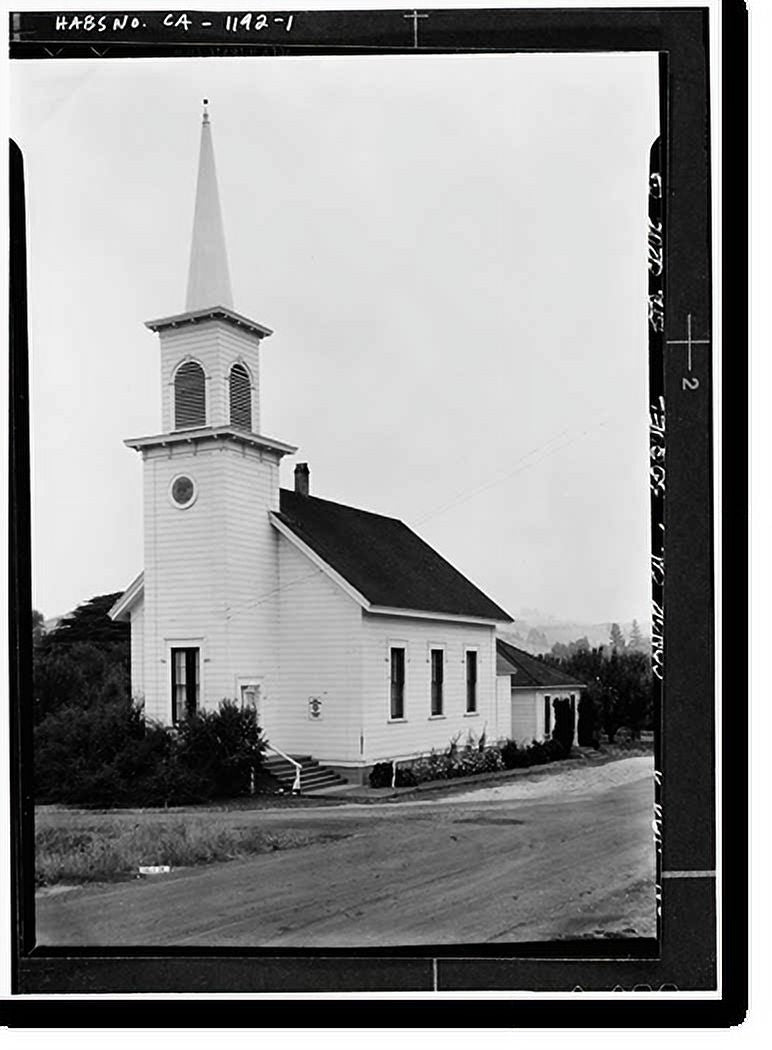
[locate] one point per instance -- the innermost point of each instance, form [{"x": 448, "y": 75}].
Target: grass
[{"x": 113, "y": 849}]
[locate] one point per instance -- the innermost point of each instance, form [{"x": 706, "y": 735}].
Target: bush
[
  {"x": 556, "y": 749},
  {"x": 624, "y": 738},
  {"x": 107, "y": 755},
  {"x": 563, "y": 732},
  {"x": 405, "y": 778},
  {"x": 514, "y": 757},
  {"x": 381, "y": 774},
  {"x": 222, "y": 749},
  {"x": 473, "y": 759}
]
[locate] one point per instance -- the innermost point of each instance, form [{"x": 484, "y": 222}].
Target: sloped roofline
[
  {"x": 128, "y": 599},
  {"x": 511, "y": 658},
  {"x": 379, "y": 610},
  {"x": 135, "y": 591}
]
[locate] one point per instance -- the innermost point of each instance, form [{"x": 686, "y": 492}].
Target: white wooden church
[{"x": 353, "y": 638}]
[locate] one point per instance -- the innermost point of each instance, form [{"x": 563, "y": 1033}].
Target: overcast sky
[{"x": 451, "y": 252}]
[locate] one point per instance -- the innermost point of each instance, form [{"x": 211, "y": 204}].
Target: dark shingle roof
[
  {"x": 383, "y": 559},
  {"x": 529, "y": 671}
]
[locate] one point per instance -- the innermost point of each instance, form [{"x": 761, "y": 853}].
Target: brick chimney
[{"x": 301, "y": 479}]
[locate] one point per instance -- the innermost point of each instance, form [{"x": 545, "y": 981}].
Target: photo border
[{"x": 687, "y": 962}]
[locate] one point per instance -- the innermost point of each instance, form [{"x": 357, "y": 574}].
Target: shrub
[
  {"x": 405, "y": 778},
  {"x": 382, "y": 772},
  {"x": 556, "y": 750},
  {"x": 222, "y": 748},
  {"x": 380, "y": 775},
  {"x": 107, "y": 755},
  {"x": 563, "y": 732},
  {"x": 624, "y": 737},
  {"x": 514, "y": 757},
  {"x": 587, "y": 718}
]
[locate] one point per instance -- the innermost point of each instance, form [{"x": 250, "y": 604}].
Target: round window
[{"x": 183, "y": 491}]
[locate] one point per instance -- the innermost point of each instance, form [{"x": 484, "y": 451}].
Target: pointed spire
[{"x": 209, "y": 282}]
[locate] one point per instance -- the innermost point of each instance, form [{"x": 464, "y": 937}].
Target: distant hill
[{"x": 539, "y": 634}]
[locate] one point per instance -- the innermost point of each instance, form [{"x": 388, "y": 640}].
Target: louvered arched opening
[
  {"x": 189, "y": 396},
  {"x": 240, "y": 398}
]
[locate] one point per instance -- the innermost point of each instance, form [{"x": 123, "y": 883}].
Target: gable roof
[
  {"x": 383, "y": 560},
  {"x": 528, "y": 671}
]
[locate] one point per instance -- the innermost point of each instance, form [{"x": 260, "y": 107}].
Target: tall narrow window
[
  {"x": 240, "y": 398},
  {"x": 471, "y": 682},
  {"x": 547, "y": 719},
  {"x": 189, "y": 396},
  {"x": 397, "y": 708},
  {"x": 438, "y": 677},
  {"x": 185, "y": 684}
]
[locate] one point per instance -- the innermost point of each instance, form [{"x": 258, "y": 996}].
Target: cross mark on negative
[{"x": 689, "y": 342}]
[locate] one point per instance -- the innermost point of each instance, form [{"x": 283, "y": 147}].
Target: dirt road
[{"x": 511, "y": 863}]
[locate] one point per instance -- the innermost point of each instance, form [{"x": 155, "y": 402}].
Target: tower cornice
[
  {"x": 212, "y": 434},
  {"x": 212, "y": 313}
]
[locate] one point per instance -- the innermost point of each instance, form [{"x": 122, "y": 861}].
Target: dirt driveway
[{"x": 534, "y": 859}]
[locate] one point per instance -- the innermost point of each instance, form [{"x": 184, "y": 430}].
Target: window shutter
[
  {"x": 189, "y": 396},
  {"x": 240, "y": 398}
]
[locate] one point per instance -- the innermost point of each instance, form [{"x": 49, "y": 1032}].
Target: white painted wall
[
  {"x": 418, "y": 733},
  {"x": 527, "y": 708},
  {"x": 211, "y": 570},
  {"x": 216, "y": 345},
  {"x": 503, "y": 707},
  {"x": 137, "y": 628},
  {"x": 320, "y": 656},
  {"x": 527, "y": 719}
]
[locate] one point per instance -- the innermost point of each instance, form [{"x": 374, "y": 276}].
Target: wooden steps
[{"x": 312, "y": 775}]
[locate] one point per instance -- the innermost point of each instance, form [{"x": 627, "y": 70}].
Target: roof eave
[
  {"x": 129, "y": 598},
  {"x": 429, "y": 614},
  {"x": 246, "y": 437},
  {"x": 210, "y": 313},
  {"x": 286, "y": 530},
  {"x": 379, "y": 610},
  {"x": 551, "y": 685}
]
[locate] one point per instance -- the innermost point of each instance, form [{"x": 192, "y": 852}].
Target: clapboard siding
[
  {"x": 527, "y": 722},
  {"x": 419, "y": 732},
  {"x": 503, "y": 706},
  {"x": 138, "y": 650},
  {"x": 320, "y": 647},
  {"x": 216, "y": 345},
  {"x": 211, "y": 571}
]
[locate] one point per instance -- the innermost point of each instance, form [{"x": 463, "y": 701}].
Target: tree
[
  {"x": 38, "y": 627},
  {"x": 618, "y": 690},
  {"x": 90, "y": 623},
  {"x": 617, "y": 638},
  {"x": 83, "y": 662},
  {"x": 563, "y": 732},
  {"x": 636, "y": 638}
]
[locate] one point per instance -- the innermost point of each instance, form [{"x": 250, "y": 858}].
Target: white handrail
[{"x": 292, "y": 762}]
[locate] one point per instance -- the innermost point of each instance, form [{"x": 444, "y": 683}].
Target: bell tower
[{"x": 210, "y": 481}]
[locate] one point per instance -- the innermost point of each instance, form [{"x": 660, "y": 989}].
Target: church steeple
[{"x": 209, "y": 282}]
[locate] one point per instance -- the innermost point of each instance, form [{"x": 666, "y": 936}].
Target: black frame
[{"x": 684, "y": 959}]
